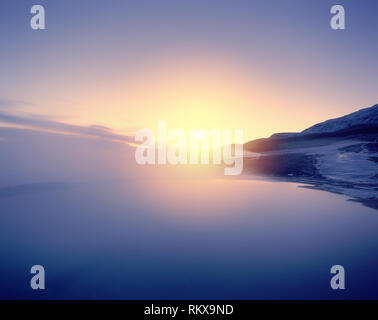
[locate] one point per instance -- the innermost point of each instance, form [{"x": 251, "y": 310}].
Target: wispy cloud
[{"x": 40, "y": 123}]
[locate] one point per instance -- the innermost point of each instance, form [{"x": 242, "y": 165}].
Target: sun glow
[{"x": 189, "y": 92}]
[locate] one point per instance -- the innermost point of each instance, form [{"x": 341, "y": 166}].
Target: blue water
[{"x": 187, "y": 239}]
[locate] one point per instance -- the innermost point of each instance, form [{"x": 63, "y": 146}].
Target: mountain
[
  {"x": 366, "y": 118},
  {"x": 360, "y": 124},
  {"x": 338, "y": 155}
]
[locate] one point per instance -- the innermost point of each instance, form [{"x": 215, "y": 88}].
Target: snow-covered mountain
[
  {"x": 367, "y": 118},
  {"x": 338, "y": 155}
]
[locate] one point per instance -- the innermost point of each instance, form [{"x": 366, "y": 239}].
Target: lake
[{"x": 187, "y": 239}]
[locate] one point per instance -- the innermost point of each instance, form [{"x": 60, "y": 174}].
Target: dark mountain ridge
[
  {"x": 362, "y": 124},
  {"x": 338, "y": 155}
]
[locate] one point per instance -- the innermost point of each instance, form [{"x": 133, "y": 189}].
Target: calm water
[{"x": 187, "y": 239}]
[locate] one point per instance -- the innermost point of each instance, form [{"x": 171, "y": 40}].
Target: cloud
[{"x": 61, "y": 127}]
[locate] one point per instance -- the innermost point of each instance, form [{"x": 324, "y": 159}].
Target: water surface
[{"x": 187, "y": 239}]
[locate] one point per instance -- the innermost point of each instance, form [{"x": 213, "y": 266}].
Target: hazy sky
[{"x": 263, "y": 66}]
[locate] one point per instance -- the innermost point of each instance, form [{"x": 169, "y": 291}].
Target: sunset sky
[{"x": 263, "y": 66}]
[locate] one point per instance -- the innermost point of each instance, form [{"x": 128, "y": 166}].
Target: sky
[{"x": 263, "y": 66}]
